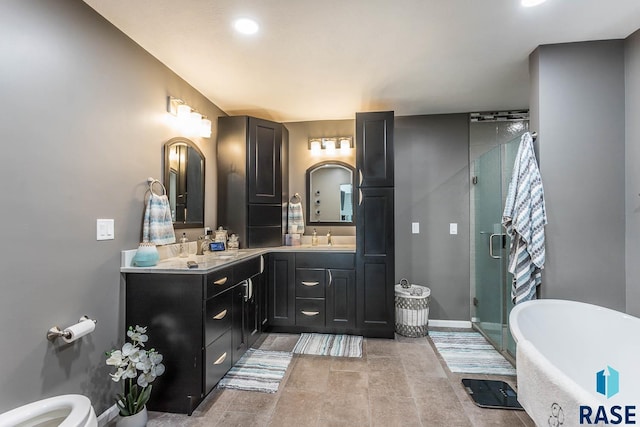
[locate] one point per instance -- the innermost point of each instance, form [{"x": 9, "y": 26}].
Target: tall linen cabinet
[
  {"x": 253, "y": 177},
  {"x": 375, "y": 250}
]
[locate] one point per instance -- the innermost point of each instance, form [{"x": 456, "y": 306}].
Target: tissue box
[{"x": 294, "y": 239}]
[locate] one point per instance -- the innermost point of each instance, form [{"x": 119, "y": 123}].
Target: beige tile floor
[{"x": 401, "y": 382}]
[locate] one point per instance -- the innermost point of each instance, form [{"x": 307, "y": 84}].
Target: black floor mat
[{"x": 492, "y": 394}]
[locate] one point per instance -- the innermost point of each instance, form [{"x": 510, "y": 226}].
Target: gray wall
[
  {"x": 580, "y": 117},
  {"x": 632, "y": 167},
  {"x": 83, "y": 126},
  {"x": 432, "y": 188},
  {"x": 300, "y": 159}
]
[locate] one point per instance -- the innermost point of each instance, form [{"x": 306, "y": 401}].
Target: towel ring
[
  {"x": 295, "y": 198},
  {"x": 152, "y": 181}
]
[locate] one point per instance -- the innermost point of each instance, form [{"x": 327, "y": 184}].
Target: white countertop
[{"x": 214, "y": 260}]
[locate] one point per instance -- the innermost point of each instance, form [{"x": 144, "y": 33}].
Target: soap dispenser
[
  {"x": 314, "y": 238},
  {"x": 184, "y": 246}
]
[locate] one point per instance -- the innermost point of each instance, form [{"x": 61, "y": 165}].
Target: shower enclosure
[{"x": 493, "y": 149}]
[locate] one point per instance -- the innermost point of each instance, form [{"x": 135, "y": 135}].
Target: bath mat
[
  {"x": 469, "y": 352},
  {"x": 257, "y": 370},
  {"x": 492, "y": 394},
  {"x": 329, "y": 345}
]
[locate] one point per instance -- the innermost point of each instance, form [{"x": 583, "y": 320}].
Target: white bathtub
[{"x": 562, "y": 345}]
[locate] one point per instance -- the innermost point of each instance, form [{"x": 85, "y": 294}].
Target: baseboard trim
[
  {"x": 461, "y": 324},
  {"x": 107, "y": 416}
]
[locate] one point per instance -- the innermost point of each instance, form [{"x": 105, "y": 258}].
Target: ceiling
[{"x": 320, "y": 60}]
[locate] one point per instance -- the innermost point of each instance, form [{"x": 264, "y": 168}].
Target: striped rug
[
  {"x": 329, "y": 345},
  {"x": 469, "y": 352},
  {"x": 257, "y": 370}
]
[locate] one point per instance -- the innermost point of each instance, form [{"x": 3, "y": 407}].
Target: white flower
[
  {"x": 138, "y": 336},
  {"x": 145, "y": 378},
  {"x": 115, "y": 359},
  {"x": 128, "y": 348},
  {"x": 130, "y": 371},
  {"x": 155, "y": 357},
  {"x": 116, "y": 377},
  {"x": 158, "y": 370}
]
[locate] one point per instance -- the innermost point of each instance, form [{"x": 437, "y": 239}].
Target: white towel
[
  {"x": 158, "y": 225},
  {"x": 296, "y": 218},
  {"x": 548, "y": 395},
  {"x": 524, "y": 218}
]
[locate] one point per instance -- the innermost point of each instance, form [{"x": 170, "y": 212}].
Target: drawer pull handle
[
  {"x": 310, "y": 313},
  {"x": 220, "y": 359},
  {"x": 220, "y": 281},
  {"x": 310, "y": 283},
  {"x": 220, "y": 315}
]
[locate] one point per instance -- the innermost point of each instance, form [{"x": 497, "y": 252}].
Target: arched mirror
[
  {"x": 184, "y": 181},
  {"x": 330, "y": 195}
]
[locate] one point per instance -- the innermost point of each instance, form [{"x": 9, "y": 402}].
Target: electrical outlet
[
  {"x": 415, "y": 227},
  {"x": 453, "y": 228}
]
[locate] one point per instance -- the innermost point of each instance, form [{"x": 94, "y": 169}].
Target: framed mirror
[
  {"x": 184, "y": 181},
  {"x": 330, "y": 195}
]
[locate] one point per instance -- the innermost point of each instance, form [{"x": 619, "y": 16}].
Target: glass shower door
[
  {"x": 489, "y": 243},
  {"x": 492, "y": 282}
]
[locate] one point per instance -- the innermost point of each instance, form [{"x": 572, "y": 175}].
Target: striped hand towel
[
  {"x": 524, "y": 218},
  {"x": 296, "y": 218},
  {"x": 158, "y": 224}
]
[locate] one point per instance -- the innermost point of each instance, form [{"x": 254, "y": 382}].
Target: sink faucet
[
  {"x": 329, "y": 238},
  {"x": 200, "y": 244}
]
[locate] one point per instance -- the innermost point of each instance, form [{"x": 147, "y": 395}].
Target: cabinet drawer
[
  {"x": 217, "y": 316},
  {"x": 310, "y": 282},
  {"x": 247, "y": 269},
  {"x": 218, "y": 360},
  {"x": 219, "y": 281},
  {"x": 325, "y": 260},
  {"x": 310, "y": 312}
]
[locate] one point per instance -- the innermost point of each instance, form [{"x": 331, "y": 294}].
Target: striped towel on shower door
[{"x": 524, "y": 218}]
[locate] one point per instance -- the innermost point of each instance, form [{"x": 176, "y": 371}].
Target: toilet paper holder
[{"x": 55, "y": 332}]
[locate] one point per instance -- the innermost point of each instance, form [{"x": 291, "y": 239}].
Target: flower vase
[
  {"x": 146, "y": 255},
  {"x": 135, "y": 420}
]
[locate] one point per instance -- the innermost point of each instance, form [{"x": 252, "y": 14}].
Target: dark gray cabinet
[
  {"x": 252, "y": 156},
  {"x": 281, "y": 298},
  {"x": 198, "y": 322},
  {"x": 375, "y": 247},
  {"x": 312, "y": 292},
  {"x": 374, "y": 149}
]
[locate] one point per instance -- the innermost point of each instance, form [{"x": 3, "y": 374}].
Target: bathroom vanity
[{"x": 203, "y": 320}]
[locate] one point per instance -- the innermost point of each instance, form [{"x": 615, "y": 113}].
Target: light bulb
[
  {"x": 315, "y": 147},
  {"x": 330, "y": 146}
]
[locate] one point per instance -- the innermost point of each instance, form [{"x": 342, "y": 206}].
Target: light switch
[
  {"x": 415, "y": 227},
  {"x": 453, "y": 228},
  {"x": 105, "y": 229}
]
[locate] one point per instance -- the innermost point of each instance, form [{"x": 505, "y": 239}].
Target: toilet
[{"x": 68, "y": 410}]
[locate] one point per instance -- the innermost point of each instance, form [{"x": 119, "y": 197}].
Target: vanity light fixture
[
  {"x": 315, "y": 145},
  {"x": 189, "y": 121},
  {"x": 331, "y": 146}
]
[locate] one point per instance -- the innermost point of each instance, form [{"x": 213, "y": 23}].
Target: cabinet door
[
  {"x": 238, "y": 337},
  {"x": 265, "y": 145},
  {"x": 374, "y": 149},
  {"x": 281, "y": 289},
  {"x": 341, "y": 298},
  {"x": 375, "y": 262},
  {"x": 251, "y": 312}
]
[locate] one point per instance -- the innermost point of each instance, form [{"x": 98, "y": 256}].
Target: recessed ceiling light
[
  {"x": 246, "y": 26},
  {"x": 531, "y": 3}
]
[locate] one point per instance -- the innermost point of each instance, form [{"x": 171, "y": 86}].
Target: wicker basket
[{"x": 412, "y": 309}]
